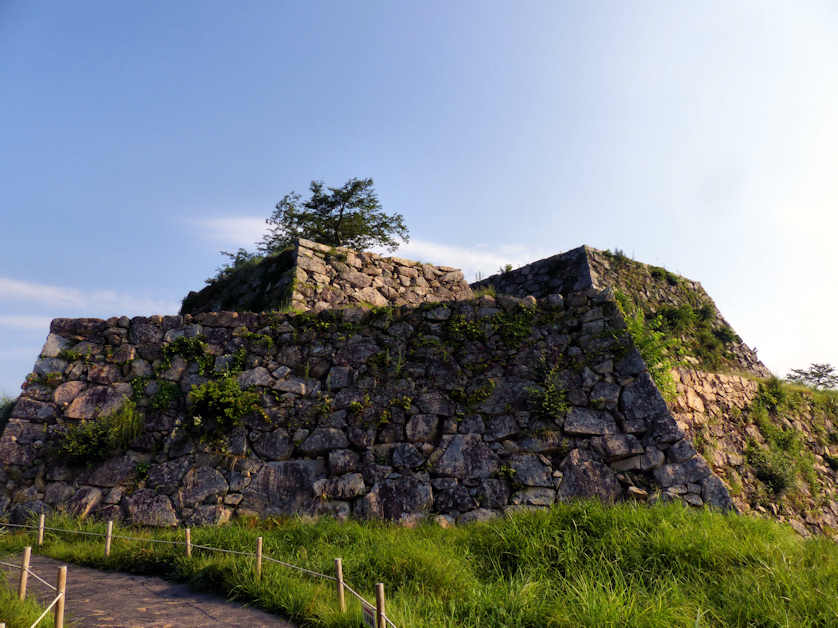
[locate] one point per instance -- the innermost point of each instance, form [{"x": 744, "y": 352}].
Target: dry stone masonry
[
  {"x": 443, "y": 406},
  {"x": 463, "y": 410},
  {"x": 315, "y": 277}
]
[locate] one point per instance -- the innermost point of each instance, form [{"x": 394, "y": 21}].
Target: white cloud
[
  {"x": 243, "y": 231},
  {"x": 38, "y": 323},
  {"x": 73, "y": 301},
  {"x": 478, "y": 258}
]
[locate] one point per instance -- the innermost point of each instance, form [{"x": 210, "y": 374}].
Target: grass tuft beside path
[{"x": 577, "y": 564}]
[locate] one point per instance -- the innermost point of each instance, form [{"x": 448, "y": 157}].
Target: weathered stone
[
  {"x": 258, "y": 376},
  {"x": 641, "y": 400},
  {"x": 434, "y": 403},
  {"x": 343, "y": 487},
  {"x": 98, "y": 401},
  {"x": 66, "y": 392},
  {"x": 476, "y": 516},
  {"x": 466, "y": 456},
  {"x": 533, "y": 497},
  {"x": 343, "y": 461},
  {"x": 587, "y": 421},
  {"x": 84, "y": 501},
  {"x": 145, "y": 508},
  {"x": 530, "y": 470},
  {"x": 57, "y": 493},
  {"x": 680, "y": 451},
  {"x": 621, "y": 446},
  {"x": 54, "y": 345},
  {"x": 323, "y": 439},
  {"x": 587, "y": 478},
  {"x": 395, "y": 497},
  {"x": 142, "y": 332},
  {"x": 277, "y": 487},
  {"x": 274, "y": 445},
  {"x": 407, "y": 456},
  {"x": 693, "y": 470},
  {"x": 209, "y": 515},
  {"x": 47, "y": 366},
  {"x": 422, "y": 428},
  {"x": 339, "y": 377},
  {"x": 201, "y": 483},
  {"x": 166, "y": 477},
  {"x": 113, "y": 471}
]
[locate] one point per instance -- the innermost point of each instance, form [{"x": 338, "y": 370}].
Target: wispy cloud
[
  {"x": 471, "y": 259},
  {"x": 242, "y": 231},
  {"x": 245, "y": 231},
  {"x": 73, "y": 301}
]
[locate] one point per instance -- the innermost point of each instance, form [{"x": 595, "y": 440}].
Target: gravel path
[{"x": 112, "y": 599}]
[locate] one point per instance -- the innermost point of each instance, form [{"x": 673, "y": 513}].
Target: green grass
[
  {"x": 17, "y": 614},
  {"x": 577, "y": 564}
]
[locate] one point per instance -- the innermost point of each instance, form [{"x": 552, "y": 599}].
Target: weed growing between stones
[
  {"x": 784, "y": 461},
  {"x": 192, "y": 349},
  {"x": 92, "y": 441},
  {"x": 217, "y": 407}
]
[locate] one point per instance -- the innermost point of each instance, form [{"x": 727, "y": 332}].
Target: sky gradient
[{"x": 140, "y": 139}]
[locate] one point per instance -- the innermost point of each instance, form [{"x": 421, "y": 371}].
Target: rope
[
  {"x": 31, "y": 573},
  {"x": 196, "y": 546},
  {"x": 48, "y": 608},
  {"x": 303, "y": 569},
  {"x": 226, "y": 551}
]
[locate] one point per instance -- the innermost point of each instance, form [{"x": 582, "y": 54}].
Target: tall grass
[
  {"x": 20, "y": 614},
  {"x": 577, "y": 564}
]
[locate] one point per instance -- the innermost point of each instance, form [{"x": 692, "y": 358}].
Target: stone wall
[
  {"x": 459, "y": 410},
  {"x": 315, "y": 277},
  {"x": 715, "y": 411},
  {"x": 650, "y": 287}
]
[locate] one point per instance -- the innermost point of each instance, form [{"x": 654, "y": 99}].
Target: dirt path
[{"x": 112, "y": 599}]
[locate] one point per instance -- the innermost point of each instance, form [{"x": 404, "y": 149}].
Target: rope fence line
[
  {"x": 60, "y": 587},
  {"x": 380, "y": 618}
]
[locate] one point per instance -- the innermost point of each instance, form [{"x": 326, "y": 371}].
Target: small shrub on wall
[
  {"x": 218, "y": 406},
  {"x": 96, "y": 440}
]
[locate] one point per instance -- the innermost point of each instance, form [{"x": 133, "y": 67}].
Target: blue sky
[{"x": 139, "y": 139}]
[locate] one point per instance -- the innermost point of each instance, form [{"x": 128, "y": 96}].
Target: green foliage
[
  {"x": 193, "y": 349},
  {"x": 166, "y": 395},
  {"x": 461, "y": 329},
  {"x": 7, "y": 404},
  {"x": 550, "y": 399},
  {"x": 516, "y": 326},
  {"x": 576, "y": 564},
  {"x": 655, "y": 346},
  {"x": 784, "y": 460},
  {"x": 818, "y": 376},
  {"x": 486, "y": 291},
  {"x": 238, "y": 260},
  {"x": 68, "y": 355},
  {"x": 92, "y": 441},
  {"x": 348, "y": 216},
  {"x": 218, "y": 406}
]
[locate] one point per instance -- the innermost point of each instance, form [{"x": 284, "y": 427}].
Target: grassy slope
[{"x": 576, "y": 564}]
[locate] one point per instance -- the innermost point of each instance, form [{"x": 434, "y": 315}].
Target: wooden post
[
  {"x": 188, "y": 543},
  {"x": 41, "y": 529},
  {"x": 339, "y": 574},
  {"x": 379, "y": 606},
  {"x": 24, "y": 574},
  {"x": 108, "y": 538},
  {"x": 259, "y": 558},
  {"x": 60, "y": 589}
]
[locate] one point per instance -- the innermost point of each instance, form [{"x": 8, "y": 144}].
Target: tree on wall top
[
  {"x": 819, "y": 376},
  {"x": 349, "y": 216}
]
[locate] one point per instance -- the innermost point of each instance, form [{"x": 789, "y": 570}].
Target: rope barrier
[
  {"x": 193, "y": 545},
  {"x": 47, "y": 610},
  {"x": 31, "y": 573},
  {"x": 303, "y": 569}
]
